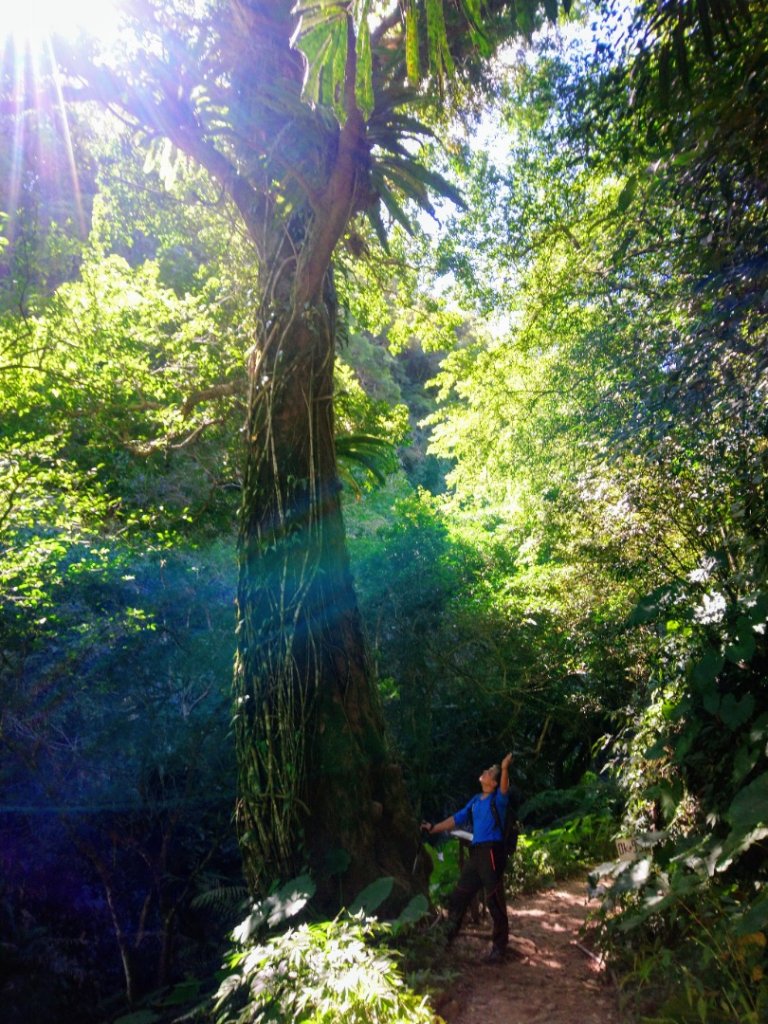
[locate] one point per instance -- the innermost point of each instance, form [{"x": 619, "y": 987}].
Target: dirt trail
[{"x": 549, "y": 980}]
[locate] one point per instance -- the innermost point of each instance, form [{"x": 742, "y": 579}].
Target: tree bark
[{"x": 317, "y": 783}]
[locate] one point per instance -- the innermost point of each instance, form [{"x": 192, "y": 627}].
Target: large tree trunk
[{"x": 317, "y": 783}]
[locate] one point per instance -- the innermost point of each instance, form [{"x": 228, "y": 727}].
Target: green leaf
[
  {"x": 395, "y": 208},
  {"x": 371, "y": 898},
  {"x": 440, "y": 58},
  {"x": 744, "y": 761},
  {"x": 686, "y": 158},
  {"x": 686, "y": 739},
  {"x": 648, "y": 608},
  {"x": 289, "y": 900},
  {"x": 473, "y": 11},
  {"x": 744, "y": 646},
  {"x": 738, "y": 842},
  {"x": 412, "y": 42},
  {"x": 399, "y": 174},
  {"x": 415, "y": 180},
  {"x": 550, "y": 8},
  {"x": 669, "y": 795},
  {"x": 626, "y": 195},
  {"x": 316, "y": 56},
  {"x": 249, "y": 928},
  {"x": 758, "y": 612},
  {"x": 373, "y": 213},
  {"x": 183, "y": 992},
  {"x": 633, "y": 877},
  {"x": 749, "y": 809},
  {"x": 323, "y": 41},
  {"x": 364, "y": 76},
  {"x": 657, "y": 750},
  {"x": 413, "y": 912},
  {"x": 706, "y": 670},
  {"x": 755, "y": 919},
  {"x": 438, "y": 184},
  {"x": 736, "y": 712}
]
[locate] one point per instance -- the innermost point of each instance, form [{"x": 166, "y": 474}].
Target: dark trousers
[{"x": 483, "y": 870}]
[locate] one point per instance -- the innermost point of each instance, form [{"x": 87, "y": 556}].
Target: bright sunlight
[
  {"x": 28, "y": 60},
  {"x": 31, "y": 21}
]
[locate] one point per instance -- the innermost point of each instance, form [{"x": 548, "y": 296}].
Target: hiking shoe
[{"x": 496, "y": 956}]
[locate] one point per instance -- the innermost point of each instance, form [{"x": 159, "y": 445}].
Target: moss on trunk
[{"x": 317, "y": 784}]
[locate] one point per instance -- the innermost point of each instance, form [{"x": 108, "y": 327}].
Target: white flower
[
  {"x": 704, "y": 571},
  {"x": 711, "y": 609}
]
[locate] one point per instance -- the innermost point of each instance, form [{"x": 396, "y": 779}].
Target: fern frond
[{"x": 221, "y": 898}]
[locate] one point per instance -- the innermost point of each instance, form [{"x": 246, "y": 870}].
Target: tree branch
[
  {"x": 175, "y": 119},
  {"x": 387, "y": 22},
  {"x": 223, "y": 390}
]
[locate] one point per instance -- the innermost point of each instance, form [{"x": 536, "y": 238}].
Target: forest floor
[{"x": 548, "y": 976}]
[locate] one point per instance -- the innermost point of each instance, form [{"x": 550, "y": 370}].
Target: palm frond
[{"x": 374, "y": 455}]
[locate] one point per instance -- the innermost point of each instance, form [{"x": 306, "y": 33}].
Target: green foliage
[
  {"x": 444, "y": 872},
  {"x": 591, "y": 796},
  {"x": 324, "y": 971},
  {"x": 116, "y": 770},
  {"x": 700, "y": 885},
  {"x": 719, "y": 973},
  {"x": 596, "y": 566},
  {"x": 545, "y": 856},
  {"x": 608, "y": 428},
  {"x": 327, "y": 972},
  {"x": 97, "y": 385},
  {"x": 576, "y": 827}
]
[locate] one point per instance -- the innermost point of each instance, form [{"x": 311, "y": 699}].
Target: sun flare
[
  {"x": 39, "y": 139},
  {"x": 28, "y": 21}
]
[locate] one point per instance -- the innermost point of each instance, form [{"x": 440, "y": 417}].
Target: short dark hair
[{"x": 495, "y": 771}]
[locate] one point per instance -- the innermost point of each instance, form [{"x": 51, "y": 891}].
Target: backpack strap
[
  {"x": 472, "y": 812},
  {"x": 496, "y": 815}
]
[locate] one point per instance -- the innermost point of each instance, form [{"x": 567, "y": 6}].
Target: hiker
[{"x": 485, "y": 813}]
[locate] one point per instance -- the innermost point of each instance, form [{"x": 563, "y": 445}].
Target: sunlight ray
[
  {"x": 29, "y": 37},
  {"x": 74, "y": 177},
  {"x": 17, "y": 150}
]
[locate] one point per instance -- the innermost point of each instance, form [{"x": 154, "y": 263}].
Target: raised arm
[{"x": 504, "y": 780}]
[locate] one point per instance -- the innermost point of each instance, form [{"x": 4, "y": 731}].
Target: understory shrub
[
  {"x": 325, "y": 972},
  {"x": 593, "y": 795},
  {"x": 545, "y": 856},
  {"x": 693, "y": 902},
  {"x": 695, "y": 961}
]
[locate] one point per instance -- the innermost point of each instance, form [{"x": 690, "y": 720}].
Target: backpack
[{"x": 510, "y": 827}]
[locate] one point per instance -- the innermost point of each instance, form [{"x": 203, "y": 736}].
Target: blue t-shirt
[{"x": 484, "y": 827}]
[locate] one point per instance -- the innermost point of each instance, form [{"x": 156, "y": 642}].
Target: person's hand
[
  {"x": 507, "y": 761},
  {"x": 426, "y": 826}
]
